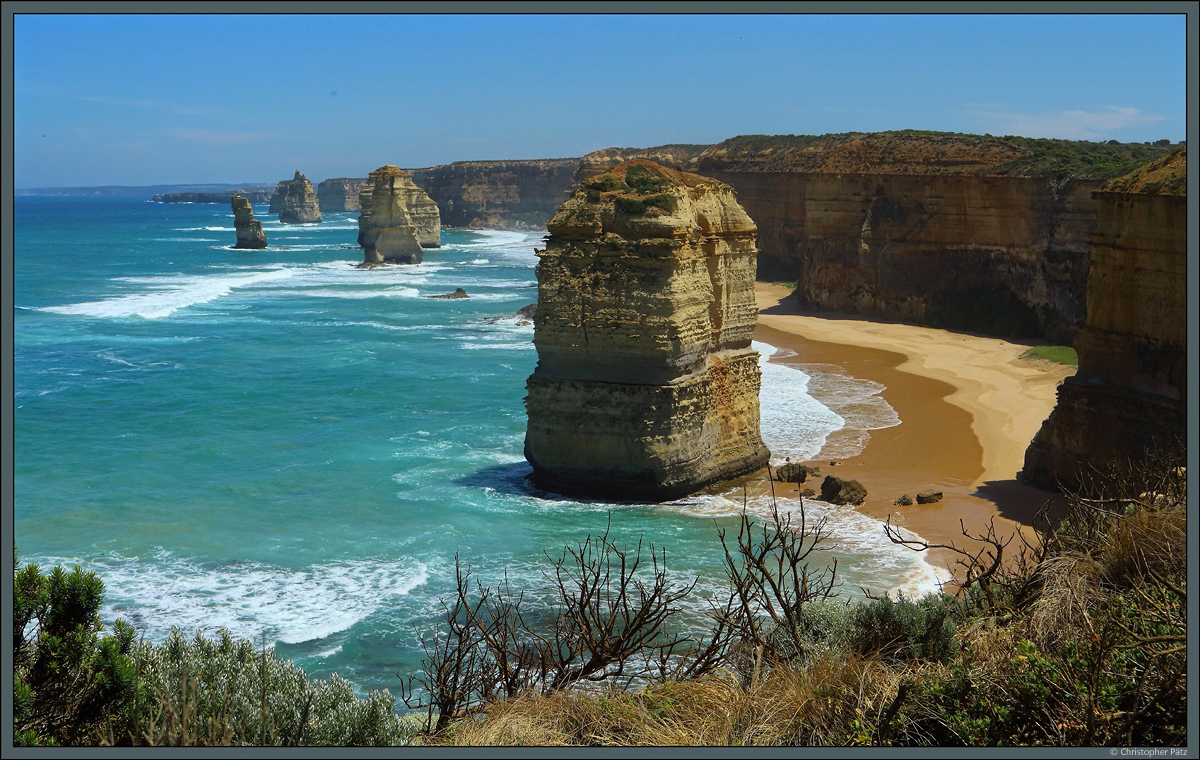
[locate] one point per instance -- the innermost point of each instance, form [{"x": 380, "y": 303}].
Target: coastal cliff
[
  {"x": 262, "y": 195},
  {"x": 248, "y": 230},
  {"x": 1128, "y": 397},
  {"x": 517, "y": 195},
  {"x": 956, "y": 231},
  {"x": 297, "y": 201},
  {"x": 339, "y": 194},
  {"x": 646, "y": 386},
  {"x": 398, "y": 219}
]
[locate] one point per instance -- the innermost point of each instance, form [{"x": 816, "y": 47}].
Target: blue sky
[{"x": 145, "y": 99}]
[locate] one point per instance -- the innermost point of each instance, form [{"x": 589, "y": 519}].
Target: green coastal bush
[
  {"x": 223, "y": 691},
  {"x": 67, "y": 678}
]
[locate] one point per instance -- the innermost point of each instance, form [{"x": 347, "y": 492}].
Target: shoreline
[{"x": 968, "y": 408}]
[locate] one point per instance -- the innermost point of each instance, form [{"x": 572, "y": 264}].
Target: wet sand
[{"x": 968, "y": 405}]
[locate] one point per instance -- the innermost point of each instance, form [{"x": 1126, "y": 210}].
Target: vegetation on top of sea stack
[{"x": 634, "y": 188}]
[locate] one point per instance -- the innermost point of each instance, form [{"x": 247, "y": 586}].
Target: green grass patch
[{"x": 1057, "y": 354}]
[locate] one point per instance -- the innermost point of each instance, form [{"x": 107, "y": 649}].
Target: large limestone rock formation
[
  {"x": 397, "y": 220},
  {"x": 249, "y": 230},
  {"x": 646, "y": 387},
  {"x": 339, "y": 194},
  {"x": 1128, "y": 397},
  {"x": 298, "y": 204}
]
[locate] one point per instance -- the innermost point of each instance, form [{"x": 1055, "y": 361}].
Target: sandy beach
[{"x": 968, "y": 405}]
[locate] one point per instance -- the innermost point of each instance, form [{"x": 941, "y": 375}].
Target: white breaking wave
[
  {"x": 793, "y": 424},
  {"x": 170, "y": 295},
  {"x": 250, "y": 598}
]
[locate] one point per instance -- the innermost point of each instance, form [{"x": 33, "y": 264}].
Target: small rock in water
[
  {"x": 929, "y": 497},
  {"x": 904, "y": 501},
  {"x": 458, "y": 293}
]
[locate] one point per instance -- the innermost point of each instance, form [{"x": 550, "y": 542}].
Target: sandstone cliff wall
[
  {"x": 339, "y": 194},
  {"x": 1128, "y": 397},
  {"x": 519, "y": 195},
  {"x": 646, "y": 387},
  {"x": 1004, "y": 256},
  {"x": 248, "y": 230}
]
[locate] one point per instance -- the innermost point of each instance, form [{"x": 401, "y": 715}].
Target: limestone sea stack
[
  {"x": 298, "y": 202},
  {"x": 397, "y": 219},
  {"x": 248, "y": 229},
  {"x": 646, "y": 387}
]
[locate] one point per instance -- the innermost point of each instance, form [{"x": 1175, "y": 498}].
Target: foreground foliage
[
  {"x": 1078, "y": 640},
  {"x": 73, "y": 686}
]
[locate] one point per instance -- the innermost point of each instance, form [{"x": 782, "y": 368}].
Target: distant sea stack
[
  {"x": 1129, "y": 397},
  {"x": 339, "y": 194},
  {"x": 397, "y": 219},
  {"x": 646, "y": 387},
  {"x": 248, "y": 229},
  {"x": 297, "y": 201}
]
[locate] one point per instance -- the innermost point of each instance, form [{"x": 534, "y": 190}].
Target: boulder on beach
[
  {"x": 929, "y": 497},
  {"x": 793, "y": 472},
  {"x": 837, "y": 490}
]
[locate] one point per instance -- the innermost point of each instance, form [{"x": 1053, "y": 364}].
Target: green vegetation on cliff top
[{"x": 1009, "y": 155}]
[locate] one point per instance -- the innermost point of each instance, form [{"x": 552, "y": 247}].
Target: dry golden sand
[{"x": 968, "y": 406}]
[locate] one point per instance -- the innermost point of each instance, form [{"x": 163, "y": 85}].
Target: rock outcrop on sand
[
  {"x": 1129, "y": 396},
  {"x": 397, "y": 219},
  {"x": 297, "y": 201},
  {"x": 516, "y": 195},
  {"x": 646, "y": 387},
  {"x": 249, "y": 230},
  {"x": 339, "y": 194}
]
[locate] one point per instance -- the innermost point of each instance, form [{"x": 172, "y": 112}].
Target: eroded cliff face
[
  {"x": 646, "y": 387},
  {"x": 249, "y": 230},
  {"x": 298, "y": 201},
  {"x": 518, "y": 195},
  {"x": 1128, "y": 397},
  {"x": 339, "y": 194},
  {"x": 398, "y": 219},
  {"x": 1004, "y": 256}
]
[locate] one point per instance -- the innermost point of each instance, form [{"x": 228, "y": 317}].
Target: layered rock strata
[
  {"x": 339, "y": 194},
  {"x": 963, "y": 232},
  {"x": 397, "y": 220},
  {"x": 298, "y": 201},
  {"x": 249, "y": 230},
  {"x": 1128, "y": 397},
  {"x": 646, "y": 387},
  {"x": 518, "y": 195}
]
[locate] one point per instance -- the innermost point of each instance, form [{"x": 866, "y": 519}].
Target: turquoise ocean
[{"x": 280, "y": 444}]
